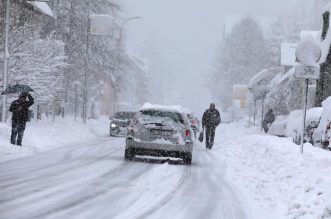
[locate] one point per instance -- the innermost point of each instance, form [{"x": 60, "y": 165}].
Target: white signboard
[
  {"x": 288, "y": 54},
  {"x": 307, "y": 72},
  {"x": 101, "y": 25}
]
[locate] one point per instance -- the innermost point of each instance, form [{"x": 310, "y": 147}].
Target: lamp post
[
  {"x": 76, "y": 84},
  {"x": 119, "y": 49},
  {"x": 308, "y": 54},
  {"x": 86, "y": 66},
  {"x": 126, "y": 21}
]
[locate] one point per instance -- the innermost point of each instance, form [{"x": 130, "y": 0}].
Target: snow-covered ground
[
  {"x": 81, "y": 173},
  {"x": 275, "y": 179},
  {"x": 47, "y": 135},
  {"x": 92, "y": 180}
]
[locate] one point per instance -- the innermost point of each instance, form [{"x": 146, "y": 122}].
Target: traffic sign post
[
  {"x": 307, "y": 72},
  {"x": 308, "y": 53}
]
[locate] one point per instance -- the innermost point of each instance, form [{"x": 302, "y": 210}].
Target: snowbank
[
  {"x": 48, "y": 135},
  {"x": 278, "y": 127},
  {"x": 294, "y": 122},
  {"x": 276, "y": 180}
]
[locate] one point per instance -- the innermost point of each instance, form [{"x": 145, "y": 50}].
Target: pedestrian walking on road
[
  {"x": 210, "y": 120},
  {"x": 20, "y": 108}
]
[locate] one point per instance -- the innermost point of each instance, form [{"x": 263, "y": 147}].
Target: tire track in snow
[
  {"x": 35, "y": 188},
  {"x": 75, "y": 164},
  {"x": 168, "y": 196},
  {"x": 14, "y": 175},
  {"x": 29, "y": 188},
  {"x": 8, "y": 175},
  {"x": 226, "y": 202},
  {"x": 90, "y": 197}
]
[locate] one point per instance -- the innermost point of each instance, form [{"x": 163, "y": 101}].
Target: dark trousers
[
  {"x": 210, "y": 135},
  {"x": 17, "y": 132}
]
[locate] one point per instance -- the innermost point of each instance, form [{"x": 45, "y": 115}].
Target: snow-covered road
[{"x": 92, "y": 180}]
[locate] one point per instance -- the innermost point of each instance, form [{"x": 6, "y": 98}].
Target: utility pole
[
  {"x": 86, "y": 63},
  {"x": 6, "y": 63},
  {"x": 66, "y": 80}
]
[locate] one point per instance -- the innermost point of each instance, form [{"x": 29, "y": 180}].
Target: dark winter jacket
[
  {"x": 20, "y": 109},
  {"x": 269, "y": 118},
  {"x": 211, "y": 118}
]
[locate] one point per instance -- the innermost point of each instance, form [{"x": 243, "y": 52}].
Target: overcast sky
[{"x": 189, "y": 33}]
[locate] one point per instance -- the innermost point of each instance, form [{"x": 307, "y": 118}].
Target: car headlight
[{"x": 113, "y": 125}]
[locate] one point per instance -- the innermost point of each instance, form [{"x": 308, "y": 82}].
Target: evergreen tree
[{"x": 243, "y": 54}]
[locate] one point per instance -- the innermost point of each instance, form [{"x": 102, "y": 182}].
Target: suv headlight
[{"x": 113, "y": 125}]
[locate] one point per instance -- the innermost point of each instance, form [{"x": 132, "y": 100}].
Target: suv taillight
[
  {"x": 326, "y": 143},
  {"x": 187, "y": 133}
]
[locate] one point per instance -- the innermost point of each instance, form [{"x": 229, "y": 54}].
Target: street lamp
[
  {"x": 6, "y": 58},
  {"x": 126, "y": 21},
  {"x": 119, "y": 49}
]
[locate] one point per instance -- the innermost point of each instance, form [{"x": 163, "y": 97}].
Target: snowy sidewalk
[
  {"x": 47, "y": 135},
  {"x": 276, "y": 180}
]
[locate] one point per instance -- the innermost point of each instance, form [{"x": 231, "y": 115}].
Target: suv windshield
[
  {"x": 176, "y": 117},
  {"x": 124, "y": 115}
]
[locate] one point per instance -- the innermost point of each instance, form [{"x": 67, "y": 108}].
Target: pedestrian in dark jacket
[
  {"x": 269, "y": 118},
  {"x": 20, "y": 109},
  {"x": 210, "y": 120}
]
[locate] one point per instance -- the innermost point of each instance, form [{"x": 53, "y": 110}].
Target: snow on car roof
[{"x": 177, "y": 108}]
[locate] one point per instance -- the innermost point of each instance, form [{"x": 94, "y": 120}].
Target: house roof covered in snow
[
  {"x": 258, "y": 78},
  {"x": 42, "y": 7}
]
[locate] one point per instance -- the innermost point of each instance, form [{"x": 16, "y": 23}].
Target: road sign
[
  {"x": 308, "y": 52},
  {"x": 307, "y": 72}
]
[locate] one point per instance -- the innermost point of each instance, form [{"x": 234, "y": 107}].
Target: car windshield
[
  {"x": 156, "y": 115},
  {"x": 124, "y": 115}
]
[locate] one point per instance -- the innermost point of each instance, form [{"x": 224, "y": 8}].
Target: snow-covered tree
[
  {"x": 40, "y": 64},
  {"x": 36, "y": 57},
  {"x": 243, "y": 53}
]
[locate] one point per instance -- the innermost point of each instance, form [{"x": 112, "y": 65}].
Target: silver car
[
  {"x": 119, "y": 123},
  {"x": 160, "y": 132}
]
